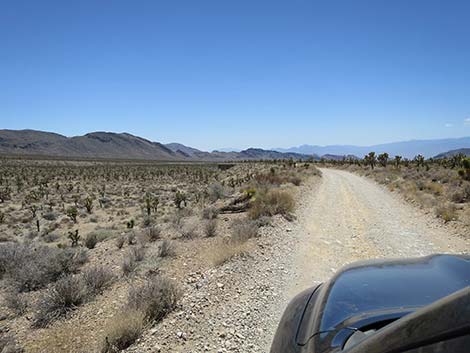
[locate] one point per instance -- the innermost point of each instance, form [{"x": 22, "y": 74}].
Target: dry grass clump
[
  {"x": 243, "y": 230},
  {"x": 166, "y": 249},
  {"x": 223, "y": 251},
  {"x": 447, "y": 212},
  {"x": 226, "y": 249},
  {"x": 154, "y": 233},
  {"x": 123, "y": 330},
  {"x": 210, "y": 213},
  {"x": 188, "y": 231},
  {"x": 97, "y": 279},
  {"x": 147, "y": 303},
  {"x": 271, "y": 203},
  {"x": 15, "y": 302},
  {"x": 156, "y": 297}
]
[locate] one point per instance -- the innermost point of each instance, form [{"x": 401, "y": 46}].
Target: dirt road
[
  {"x": 351, "y": 218},
  {"x": 341, "y": 218}
]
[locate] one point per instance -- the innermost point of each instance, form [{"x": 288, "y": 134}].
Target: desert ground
[{"x": 190, "y": 258}]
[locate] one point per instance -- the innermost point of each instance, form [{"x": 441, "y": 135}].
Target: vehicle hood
[{"x": 397, "y": 285}]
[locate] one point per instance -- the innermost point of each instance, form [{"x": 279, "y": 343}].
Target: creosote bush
[
  {"x": 91, "y": 240},
  {"x": 64, "y": 296},
  {"x": 30, "y": 267}
]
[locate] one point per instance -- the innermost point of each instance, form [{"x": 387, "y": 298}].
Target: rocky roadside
[{"x": 235, "y": 307}]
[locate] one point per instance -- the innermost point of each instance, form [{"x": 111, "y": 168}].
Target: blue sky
[{"x": 213, "y": 74}]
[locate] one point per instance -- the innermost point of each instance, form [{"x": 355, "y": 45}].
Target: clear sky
[{"x": 238, "y": 73}]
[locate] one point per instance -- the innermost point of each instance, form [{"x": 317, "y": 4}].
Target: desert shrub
[
  {"x": 97, "y": 279},
  {"x": 134, "y": 255},
  {"x": 147, "y": 222},
  {"x": 49, "y": 216},
  {"x": 50, "y": 237},
  {"x": 166, "y": 249},
  {"x": 447, "y": 212},
  {"x": 137, "y": 252},
  {"x": 64, "y": 296},
  {"x": 295, "y": 180},
  {"x": 188, "y": 231},
  {"x": 120, "y": 241},
  {"x": 271, "y": 203},
  {"x": 242, "y": 230},
  {"x": 15, "y": 302},
  {"x": 216, "y": 191},
  {"x": 33, "y": 267},
  {"x": 210, "y": 228},
  {"x": 156, "y": 297},
  {"x": 210, "y": 213},
  {"x": 91, "y": 240},
  {"x": 123, "y": 330},
  {"x": 128, "y": 265},
  {"x": 154, "y": 233},
  {"x": 131, "y": 238},
  {"x": 462, "y": 195}
]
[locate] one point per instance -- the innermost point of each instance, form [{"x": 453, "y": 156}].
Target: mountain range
[
  {"x": 127, "y": 146},
  {"x": 406, "y": 149},
  {"x": 119, "y": 146}
]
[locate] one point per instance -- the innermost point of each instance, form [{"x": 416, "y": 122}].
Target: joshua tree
[
  {"x": 397, "y": 161},
  {"x": 383, "y": 159},
  {"x": 370, "y": 159},
  {"x": 465, "y": 172},
  {"x": 72, "y": 213},
  {"x": 88, "y": 203},
  {"x": 179, "y": 199},
  {"x": 151, "y": 203},
  {"x": 419, "y": 159},
  {"x": 74, "y": 237},
  {"x": 33, "y": 209}
]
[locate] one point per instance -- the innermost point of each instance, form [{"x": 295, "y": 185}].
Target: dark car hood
[
  {"x": 379, "y": 286},
  {"x": 379, "y": 291}
]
